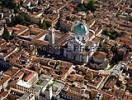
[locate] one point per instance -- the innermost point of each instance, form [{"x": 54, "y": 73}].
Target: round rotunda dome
[{"x": 80, "y": 28}]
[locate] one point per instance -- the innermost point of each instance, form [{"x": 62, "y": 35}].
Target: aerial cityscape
[{"x": 65, "y": 49}]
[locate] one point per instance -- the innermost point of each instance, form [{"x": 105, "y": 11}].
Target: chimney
[{"x": 51, "y": 36}]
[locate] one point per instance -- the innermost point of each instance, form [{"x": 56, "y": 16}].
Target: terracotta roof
[
  {"x": 4, "y": 78},
  {"x": 61, "y": 38},
  {"x": 99, "y": 55},
  {"x": 20, "y": 28},
  {"x": 125, "y": 40},
  {"x": 36, "y": 30},
  {"x": 74, "y": 92},
  {"x": 20, "y": 74},
  {"x": 40, "y": 42},
  {"x": 3, "y": 94},
  {"x": 12, "y": 71},
  {"x": 128, "y": 96},
  {"x": 29, "y": 76}
]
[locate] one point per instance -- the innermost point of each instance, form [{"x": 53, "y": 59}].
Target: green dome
[{"x": 80, "y": 29}]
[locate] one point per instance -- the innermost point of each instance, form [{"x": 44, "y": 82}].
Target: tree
[
  {"x": 16, "y": 8},
  {"x": 90, "y": 5},
  {"x": 112, "y": 34},
  {"x": 86, "y": 7},
  {"x": 81, "y": 7},
  {"x": 45, "y": 24},
  {"x": 6, "y": 34},
  {"x": 9, "y": 3},
  {"x": 129, "y": 18},
  {"x": 22, "y": 18}
]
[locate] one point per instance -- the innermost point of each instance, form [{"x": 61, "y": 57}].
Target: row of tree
[
  {"x": 8, "y": 3},
  {"x": 7, "y": 35},
  {"x": 112, "y": 34},
  {"x": 90, "y": 6}
]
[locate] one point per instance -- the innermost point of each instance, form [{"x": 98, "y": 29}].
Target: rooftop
[
  {"x": 12, "y": 71},
  {"x": 4, "y": 78}
]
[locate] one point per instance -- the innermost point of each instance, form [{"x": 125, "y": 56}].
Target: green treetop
[
  {"x": 6, "y": 34},
  {"x": 90, "y": 5}
]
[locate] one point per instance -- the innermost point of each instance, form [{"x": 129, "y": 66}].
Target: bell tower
[{"x": 51, "y": 35}]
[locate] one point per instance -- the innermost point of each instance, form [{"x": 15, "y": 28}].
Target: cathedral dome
[{"x": 80, "y": 29}]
